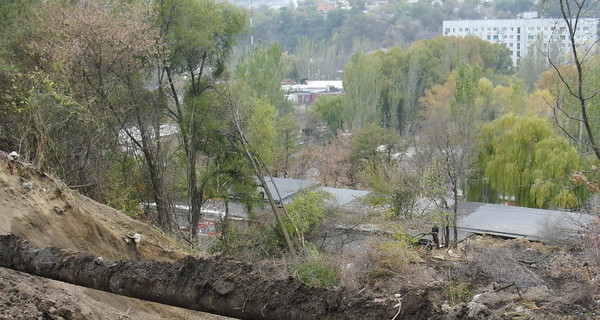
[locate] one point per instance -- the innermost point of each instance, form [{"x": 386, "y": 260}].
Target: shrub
[{"x": 318, "y": 271}]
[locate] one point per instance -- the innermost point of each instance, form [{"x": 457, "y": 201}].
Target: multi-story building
[{"x": 549, "y": 36}]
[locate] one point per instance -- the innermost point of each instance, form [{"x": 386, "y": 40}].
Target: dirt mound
[{"x": 47, "y": 213}]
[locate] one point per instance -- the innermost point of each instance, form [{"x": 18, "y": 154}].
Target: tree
[
  {"x": 199, "y": 36},
  {"x": 363, "y": 88},
  {"x": 522, "y": 159},
  {"x": 263, "y": 70},
  {"x": 582, "y": 87},
  {"x": 287, "y": 141},
  {"x": 372, "y": 145},
  {"x": 250, "y": 132},
  {"x": 96, "y": 57},
  {"x": 305, "y": 211},
  {"x": 448, "y": 136},
  {"x": 329, "y": 109}
]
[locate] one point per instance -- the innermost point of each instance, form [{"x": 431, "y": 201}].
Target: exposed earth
[{"x": 485, "y": 278}]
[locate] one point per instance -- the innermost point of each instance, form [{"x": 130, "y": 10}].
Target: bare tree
[{"x": 580, "y": 88}]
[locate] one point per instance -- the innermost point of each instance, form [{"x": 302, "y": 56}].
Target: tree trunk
[{"x": 228, "y": 288}]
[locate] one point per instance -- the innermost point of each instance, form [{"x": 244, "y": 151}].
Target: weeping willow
[{"x": 522, "y": 159}]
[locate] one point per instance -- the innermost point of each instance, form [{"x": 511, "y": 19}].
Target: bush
[{"x": 318, "y": 271}]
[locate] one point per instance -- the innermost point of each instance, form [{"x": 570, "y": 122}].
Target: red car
[{"x": 207, "y": 229}]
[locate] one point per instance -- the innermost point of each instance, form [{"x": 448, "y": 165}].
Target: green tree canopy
[{"x": 522, "y": 158}]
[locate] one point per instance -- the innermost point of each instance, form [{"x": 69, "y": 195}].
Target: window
[
  {"x": 447, "y": 30},
  {"x": 466, "y": 29},
  {"x": 495, "y": 37},
  {"x": 488, "y": 37},
  {"x": 504, "y": 37},
  {"x": 495, "y": 29},
  {"x": 459, "y": 29},
  {"x": 518, "y": 38},
  {"x": 512, "y": 29},
  {"x": 518, "y": 46},
  {"x": 511, "y": 36},
  {"x": 530, "y": 37},
  {"x": 510, "y": 44},
  {"x": 518, "y": 29},
  {"x": 518, "y": 53}
]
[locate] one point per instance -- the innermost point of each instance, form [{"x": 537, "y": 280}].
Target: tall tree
[
  {"x": 362, "y": 86},
  {"x": 200, "y": 36},
  {"x": 448, "y": 136},
  {"x": 97, "y": 56},
  {"x": 582, "y": 87},
  {"x": 251, "y": 132},
  {"x": 523, "y": 160},
  {"x": 263, "y": 70}
]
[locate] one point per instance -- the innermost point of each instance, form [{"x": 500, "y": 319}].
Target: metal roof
[
  {"x": 288, "y": 187},
  {"x": 344, "y": 196},
  {"x": 534, "y": 224}
]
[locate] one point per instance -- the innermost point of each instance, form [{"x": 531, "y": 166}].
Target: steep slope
[{"x": 46, "y": 212}]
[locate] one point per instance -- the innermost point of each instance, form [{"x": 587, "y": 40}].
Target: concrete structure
[{"x": 522, "y": 35}]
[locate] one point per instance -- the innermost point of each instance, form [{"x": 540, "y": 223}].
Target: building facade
[{"x": 522, "y": 36}]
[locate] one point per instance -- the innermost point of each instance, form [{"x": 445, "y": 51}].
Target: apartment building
[{"x": 549, "y": 36}]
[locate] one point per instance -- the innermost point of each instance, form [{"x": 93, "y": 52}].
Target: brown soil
[{"x": 43, "y": 210}]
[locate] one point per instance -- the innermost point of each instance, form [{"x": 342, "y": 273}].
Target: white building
[{"x": 520, "y": 35}]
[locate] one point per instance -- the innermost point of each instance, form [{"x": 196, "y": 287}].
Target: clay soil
[{"x": 47, "y": 213}]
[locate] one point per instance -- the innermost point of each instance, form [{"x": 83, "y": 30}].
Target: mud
[{"x": 223, "y": 287}]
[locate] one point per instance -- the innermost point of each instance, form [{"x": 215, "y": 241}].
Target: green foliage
[
  {"x": 458, "y": 292},
  {"x": 462, "y": 103},
  {"x": 263, "y": 70},
  {"x": 254, "y": 242},
  {"x": 363, "y": 88},
  {"x": 395, "y": 254},
  {"x": 373, "y": 144},
  {"x": 522, "y": 157},
  {"x": 123, "y": 187},
  {"x": 260, "y": 129},
  {"x": 329, "y": 109},
  {"x": 305, "y": 212},
  {"x": 396, "y": 191},
  {"x": 318, "y": 270},
  {"x": 199, "y": 34}
]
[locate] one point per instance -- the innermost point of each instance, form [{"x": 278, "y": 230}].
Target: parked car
[{"x": 207, "y": 228}]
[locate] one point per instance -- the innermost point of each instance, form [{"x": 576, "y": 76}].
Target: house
[
  {"x": 325, "y": 6},
  {"x": 307, "y": 91}
]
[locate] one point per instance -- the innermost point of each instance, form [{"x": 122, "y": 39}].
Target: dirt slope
[{"x": 47, "y": 213}]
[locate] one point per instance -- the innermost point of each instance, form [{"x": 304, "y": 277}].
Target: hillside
[{"x": 43, "y": 210}]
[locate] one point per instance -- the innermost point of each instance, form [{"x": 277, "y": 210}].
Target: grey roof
[
  {"x": 535, "y": 224},
  {"x": 288, "y": 187},
  {"x": 344, "y": 196}
]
